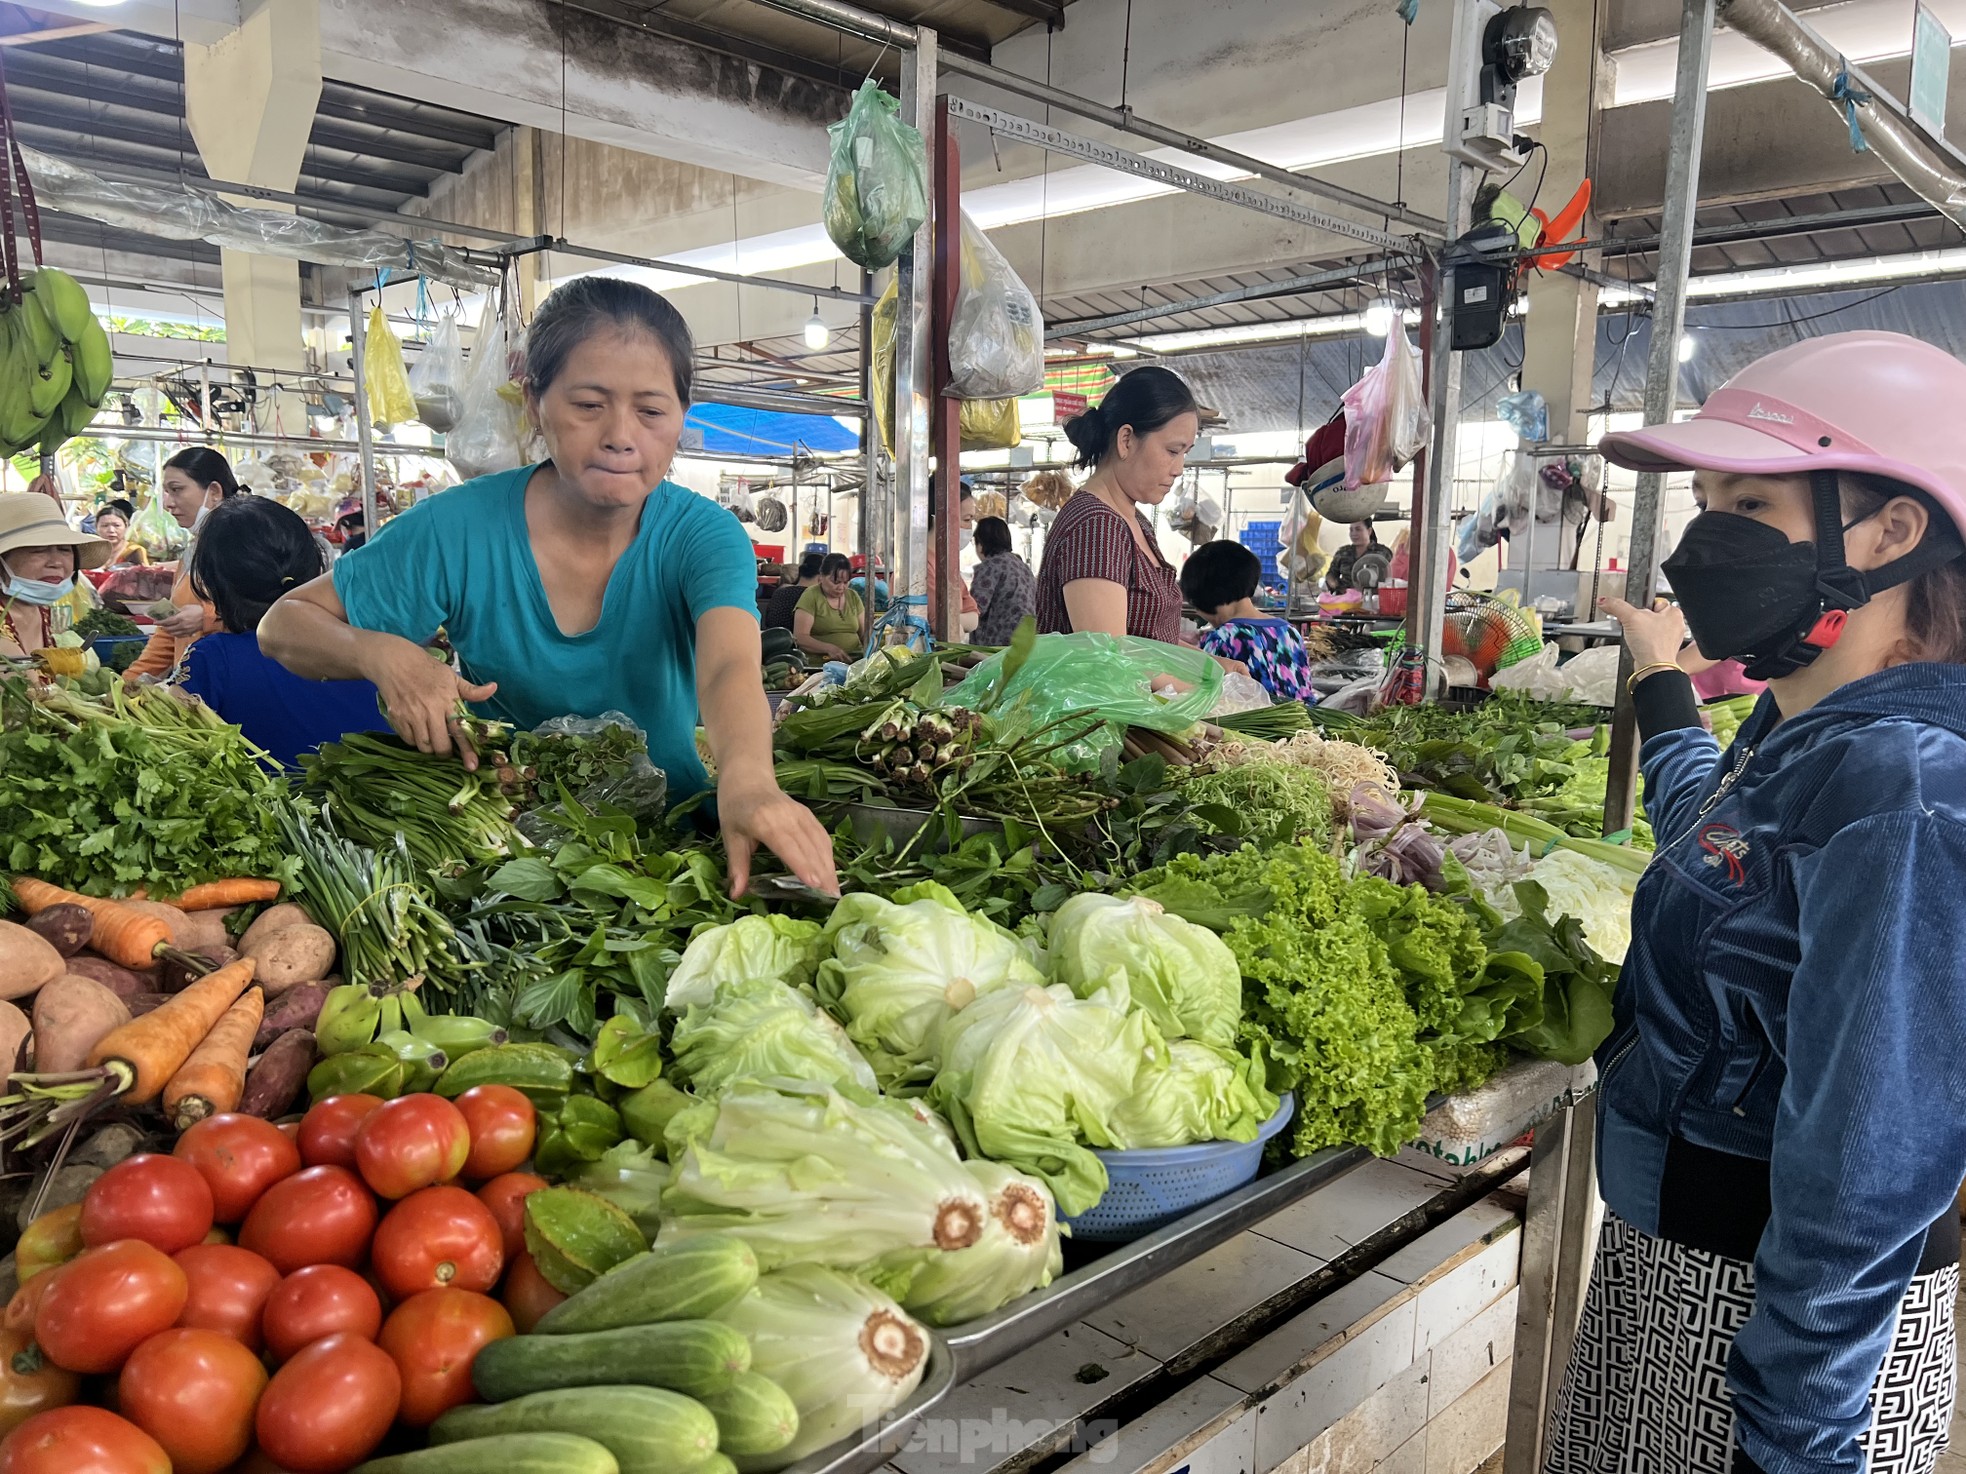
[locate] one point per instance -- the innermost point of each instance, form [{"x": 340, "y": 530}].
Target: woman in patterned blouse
[{"x": 1005, "y": 588}]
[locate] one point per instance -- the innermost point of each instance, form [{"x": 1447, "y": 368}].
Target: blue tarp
[{"x": 724, "y": 429}]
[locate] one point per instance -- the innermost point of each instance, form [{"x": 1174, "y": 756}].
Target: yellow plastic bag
[
  {"x": 388, "y": 381},
  {"x": 987, "y": 424}
]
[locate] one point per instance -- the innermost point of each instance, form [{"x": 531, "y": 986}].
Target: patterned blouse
[
  {"x": 1272, "y": 650},
  {"x": 1006, "y": 590},
  {"x": 1090, "y": 540}
]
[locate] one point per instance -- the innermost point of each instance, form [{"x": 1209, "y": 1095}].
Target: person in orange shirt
[{"x": 195, "y": 481}]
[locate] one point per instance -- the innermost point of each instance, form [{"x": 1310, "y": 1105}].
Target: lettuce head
[
  {"x": 782, "y": 948},
  {"x": 758, "y": 1027},
  {"x": 1198, "y": 1093},
  {"x": 1182, "y": 975},
  {"x": 1018, "y": 1252}
]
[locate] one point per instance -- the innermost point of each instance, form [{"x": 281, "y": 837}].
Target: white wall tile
[
  {"x": 1305, "y": 1336},
  {"x": 1462, "y": 1359},
  {"x": 1463, "y": 1292},
  {"x": 1467, "y": 1432},
  {"x": 1335, "y": 1385},
  {"x": 1175, "y": 1311}
]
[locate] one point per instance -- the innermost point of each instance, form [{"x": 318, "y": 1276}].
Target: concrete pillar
[{"x": 250, "y": 98}]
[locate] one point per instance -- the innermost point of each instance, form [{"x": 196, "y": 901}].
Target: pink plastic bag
[{"x": 1386, "y": 418}]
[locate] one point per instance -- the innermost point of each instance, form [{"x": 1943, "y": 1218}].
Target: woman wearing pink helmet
[{"x": 1783, "y": 1100}]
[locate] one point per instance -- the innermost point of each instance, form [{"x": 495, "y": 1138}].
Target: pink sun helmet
[{"x": 1880, "y": 404}]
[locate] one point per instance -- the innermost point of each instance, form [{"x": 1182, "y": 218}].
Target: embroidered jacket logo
[{"x": 1725, "y": 846}]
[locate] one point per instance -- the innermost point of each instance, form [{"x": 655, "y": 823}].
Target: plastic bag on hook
[
  {"x": 437, "y": 381},
  {"x": 876, "y": 182},
  {"x": 486, "y": 437},
  {"x": 996, "y": 340},
  {"x": 388, "y": 382},
  {"x": 1386, "y": 418}
]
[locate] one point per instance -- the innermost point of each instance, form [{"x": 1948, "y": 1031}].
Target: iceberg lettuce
[
  {"x": 1017, "y": 1253},
  {"x": 1200, "y": 1093},
  {"x": 779, "y": 947},
  {"x": 758, "y": 1027},
  {"x": 1183, "y": 975}
]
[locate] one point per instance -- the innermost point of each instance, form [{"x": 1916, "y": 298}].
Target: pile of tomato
[{"x": 272, "y": 1298}]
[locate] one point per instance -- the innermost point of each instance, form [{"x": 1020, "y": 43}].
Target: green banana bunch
[
  {"x": 368, "y": 1070},
  {"x": 56, "y": 364},
  {"x": 422, "y": 1061},
  {"x": 456, "y": 1034},
  {"x": 351, "y": 1017}
]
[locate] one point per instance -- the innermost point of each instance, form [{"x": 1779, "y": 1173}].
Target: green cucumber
[
  {"x": 754, "y": 1416},
  {"x": 543, "y": 1073},
  {"x": 517, "y": 1453},
  {"x": 680, "y": 1281},
  {"x": 647, "y": 1112},
  {"x": 648, "y": 1431},
  {"x": 575, "y": 1236},
  {"x": 718, "y": 1463},
  {"x": 689, "y": 1356}
]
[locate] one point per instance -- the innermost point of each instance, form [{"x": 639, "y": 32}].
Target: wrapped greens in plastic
[
  {"x": 1182, "y": 975},
  {"x": 1199, "y": 1093},
  {"x": 877, "y": 181},
  {"x": 759, "y": 1027},
  {"x": 782, "y": 948},
  {"x": 844, "y": 1352},
  {"x": 1019, "y": 1252},
  {"x": 1028, "y": 1074},
  {"x": 898, "y": 971},
  {"x": 807, "y": 1173}
]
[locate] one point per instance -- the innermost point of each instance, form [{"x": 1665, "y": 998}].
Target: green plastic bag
[
  {"x": 877, "y": 183},
  {"x": 1061, "y": 674}
]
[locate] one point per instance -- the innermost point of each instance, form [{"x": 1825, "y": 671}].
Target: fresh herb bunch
[
  {"x": 379, "y": 788},
  {"x": 1507, "y": 750},
  {"x": 100, "y": 623},
  {"x": 574, "y": 761}
]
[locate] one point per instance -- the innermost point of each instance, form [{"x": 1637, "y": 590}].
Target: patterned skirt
[{"x": 1646, "y": 1387}]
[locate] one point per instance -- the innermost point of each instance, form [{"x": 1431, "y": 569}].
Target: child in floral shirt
[{"x": 1219, "y": 580}]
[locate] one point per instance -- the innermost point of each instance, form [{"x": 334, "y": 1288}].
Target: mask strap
[{"x": 1847, "y": 588}]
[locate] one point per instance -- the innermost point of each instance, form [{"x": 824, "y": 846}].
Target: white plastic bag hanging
[
  {"x": 1300, "y": 560},
  {"x": 996, "y": 339},
  {"x": 437, "y": 380},
  {"x": 486, "y": 437},
  {"x": 1386, "y": 417}
]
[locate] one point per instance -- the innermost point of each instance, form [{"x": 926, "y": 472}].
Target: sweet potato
[
  {"x": 66, "y": 928},
  {"x": 119, "y": 980},
  {"x": 272, "y": 919},
  {"x": 27, "y": 961},
  {"x": 174, "y": 976},
  {"x": 275, "y": 1079},
  {"x": 176, "y": 920},
  {"x": 291, "y": 956},
  {"x": 141, "y": 1003},
  {"x": 71, "y": 1015},
  {"x": 204, "y": 931},
  {"x": 297, "y": 1008},
  {"x": 14, "y": 1029}
]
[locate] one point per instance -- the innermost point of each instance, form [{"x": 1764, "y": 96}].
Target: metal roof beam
[
  {"x": 880, "y": 29},
  {"x": 709, "y": 38},
  {"x": 1051, "y": 12},
  {"x": 348, "y": 104}
]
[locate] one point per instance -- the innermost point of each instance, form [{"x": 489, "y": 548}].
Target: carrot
[
  {"x": 214, "y": 1077},
  {"x": 216, "y": 894},
  {"x": 143, "y": 1054},
  {"x": 128, "y": 938}
]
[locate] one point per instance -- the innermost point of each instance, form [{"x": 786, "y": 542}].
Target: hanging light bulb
[
  {"x": 1379, "y": 318},
  {"x": 1686, "y": 347},
  {"x": 818, "y": 335}
]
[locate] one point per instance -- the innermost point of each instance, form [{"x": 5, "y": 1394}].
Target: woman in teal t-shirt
[{"x": 584, "y": 584}]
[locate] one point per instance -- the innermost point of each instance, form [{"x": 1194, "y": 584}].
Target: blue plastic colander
[{"x": 1149, "y": 1187}]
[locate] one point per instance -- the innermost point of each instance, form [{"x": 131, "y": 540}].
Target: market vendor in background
[
  {"x": 350, "y": 526},
  {"x": 1220, "y": 580},
  {"x": 1780, "y": 1126},
  {"x": 584, "y": 584},
  {"x": 195, "y": 481},
  {"x": 1338, "y": 577},
  {"x": 1005, "y": 588},
  {"x": 826, "y": 620},
  {"x": 113, "y": 520},
  {"x": 251, "y": 551},
  {"x": 785, "y": 598},
  {"x": 40, "y": 556},
  {"x": 966, "y": 517}
]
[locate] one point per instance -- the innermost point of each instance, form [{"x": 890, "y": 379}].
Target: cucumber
[
  {"x": 518, "y": 1453},
  {"x": 754, "y": 1416},
  {"x": 648, "y": 1431},
  {"x": 543, "y": 1073},
  {"x": 690, "y": 1356},
  {"x": 575, "y": 1236},
  {"x": 716, "y": 1464},
  {"x": 680, "y": 1281}
]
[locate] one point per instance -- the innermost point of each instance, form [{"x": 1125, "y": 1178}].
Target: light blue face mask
[{"x": 38, "y": 591}]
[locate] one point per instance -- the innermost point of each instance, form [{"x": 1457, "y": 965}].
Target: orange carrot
[
  {"x": 143, "y": 1054},
  {"x": 127, "y": 938},
  {"x": 214, "y": 895},
  {"x": 214, "y": 1077}
]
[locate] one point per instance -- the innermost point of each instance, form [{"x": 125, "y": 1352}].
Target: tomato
[
  {"x": 502, "y": 1123},
  {"x": 105, "y": 1303},
  {"x": 433, "y": 1339},
  {"x": 411, "y": 1142},
  {"x": 53, "y": 1238},
  {"x": 327, "y": 1132},
  {"x": 81, "y": 1440},
  {"x": 527, "y": 1294},
  {"x": 239, "y": 1157},
  {"x": 320, "y": 1215},
  {"x": 319, "y": 1301},
  {"x": 26, "y": 1301},
  {"x": 505, "y": 1196},
  {"x": 325, "y": 1409},
  {"x": 226, "y": 1291},
  {"x": 29, "y": 1382},
  {"x": 194, "y": 1392},
  {"x": 161, "y": 1200},
  {"x": 440, "y": 1236}
]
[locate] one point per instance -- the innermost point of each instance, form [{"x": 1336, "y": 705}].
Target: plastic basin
[{"x": 1149, "y": 1187}]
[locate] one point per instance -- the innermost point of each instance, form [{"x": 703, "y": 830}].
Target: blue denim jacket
[{"x": 1796, "y": 993}]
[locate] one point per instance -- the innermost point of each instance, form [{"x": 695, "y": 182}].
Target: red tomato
[
  {"x": 528, "y": 1294},
  {"x": 502, "y": 1123},
  {"x": 81, "y": 1440},
  {"x": 194, "y": 1392},
  {"x": 53, "y": 1238},
  {"x": 160, "y": 1200},
  {"x": 239, "y": 1157},
  {"x": 29, "y": 1382},
  {"x": 320, "y": 1215},
  {"x": 327, "y": 1132},
  {"x": 329, "y": 1406},
  {"x": 319, "y": 1301},
  {"x": 26, "y": 1301},
  {"x": 440, "y": 1236},
  {"x": 227, "y": 1290},
  {"x": 105, "y": 1303},
  {"x": 506, "y": 1196},
  {"x": 411, "y": 1142},
  {"x": 433, "y": 1338}
]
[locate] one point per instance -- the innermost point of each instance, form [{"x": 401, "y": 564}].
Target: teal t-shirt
[{"x": 462, "y": 562}]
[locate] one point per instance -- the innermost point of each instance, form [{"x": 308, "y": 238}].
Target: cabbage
[
  {"x": 807, "y": 1173},
  {"x": 1029, "y": 1073},
  {"x": 1598, "y": 896},
  {"x": 757, "y": 1027},
  {"x": 1181, "y": 974},
  {"x": 898, "y": 971},
  {"x": 843, "y": 1351},
  {"x": 778, "y": 947},
  {"x": 1017, "y": 1253},
  {"x": 1199, "y": 1093}
]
